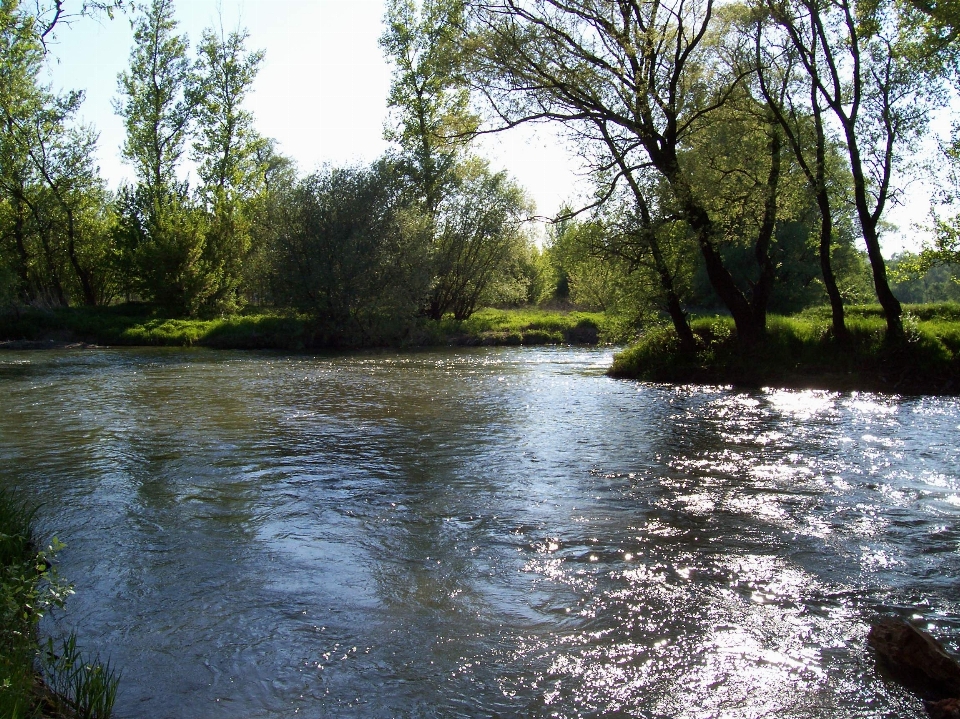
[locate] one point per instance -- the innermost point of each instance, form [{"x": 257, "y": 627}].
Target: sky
[
  {"x": 321, "y": 90},
  {"x": 321, "y": 93}
]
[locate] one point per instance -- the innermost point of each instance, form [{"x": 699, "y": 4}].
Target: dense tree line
[
  {"x": 427, "y": 231},
  {"x": 751, "y": 124},
  {"x": 741, "y": 155}
]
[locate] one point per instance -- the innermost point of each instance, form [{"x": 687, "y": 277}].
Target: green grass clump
[
  {"x": 801, "y": 351},
  {"x": 139, "y": 324},
  {"x": 79, "y": 688},
  {"x": 531, "y": 326},
  {"x": 29, "y": 588}
]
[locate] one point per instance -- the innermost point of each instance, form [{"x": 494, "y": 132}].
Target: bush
[{"x": 29, "y": 588}]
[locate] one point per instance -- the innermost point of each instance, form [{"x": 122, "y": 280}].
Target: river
[{"x": 483, "y": 532}]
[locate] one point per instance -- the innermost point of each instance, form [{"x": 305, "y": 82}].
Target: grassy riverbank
[
  {"x": 800, "y": 352},
  {"x": 139, "y": 324},
  {"x": 48, "y": 680}
]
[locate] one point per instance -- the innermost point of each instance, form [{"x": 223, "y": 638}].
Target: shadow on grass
[{"x": 800, "y": 351}]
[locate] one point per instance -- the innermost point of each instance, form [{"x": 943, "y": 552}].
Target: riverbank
[
  {"x": 800, "y": 352},
  {"x": 137, "y": 324},
  {"x": 40, "y": 679}
]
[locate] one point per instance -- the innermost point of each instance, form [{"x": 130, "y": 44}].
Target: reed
[{"x": 35, "y": 683}]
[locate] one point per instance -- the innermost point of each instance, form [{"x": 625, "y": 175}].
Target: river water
[{"x": 481, "y": 533}]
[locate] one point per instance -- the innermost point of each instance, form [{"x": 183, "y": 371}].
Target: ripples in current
[{"x": 481, "y": 533}]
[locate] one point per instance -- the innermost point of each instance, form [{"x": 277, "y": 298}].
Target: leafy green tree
[
  {"x": 152, "y": 102},
  {"x": 51, "y": 193},
  {"x": 477, "y": 244},
  {"x": 866, "y": 64},
  {"x": 21, "y": 57},
  {"x": 63, "y": 157},
  {"x": 650, "y": 74},
  {"x": 794, "y": 101},
  {"x": 479, "y": 233},
  {"x": 429, "y": 99},
  {"x": 226, "y": 149},
  {"x": 266, "y": 210},
  {"x": 350, "y": 251},
  {"x": 226, "y": 144},
  {"x": 161, "y": 233},
  {"x": 162, "y": 239},
  {"x": 917, "y": 281},
  {"x": 189, "y": 251}
]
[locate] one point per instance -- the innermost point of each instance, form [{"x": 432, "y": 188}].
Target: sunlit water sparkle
[{"x": 479, "y": 533}]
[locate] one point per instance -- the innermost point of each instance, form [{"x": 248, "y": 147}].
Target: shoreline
[{"x": 798, "y": 352}]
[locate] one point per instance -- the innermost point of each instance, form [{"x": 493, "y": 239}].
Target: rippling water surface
[{"x": 481, "y": 533}]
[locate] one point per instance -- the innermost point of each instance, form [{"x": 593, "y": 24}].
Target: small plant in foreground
[
  {"x": 86, "y": 689},
  {"x": 29, "y": 588}
]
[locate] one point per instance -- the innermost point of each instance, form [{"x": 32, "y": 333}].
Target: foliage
[
  {"x": 479, "y": 236},
  {"x": 801, "y": 351},
  {"x": 29, "y": 589},
  {"x": 168, "y": 244},
  {"x": 352, "y": 250},
  {"x": 429, "y": 101},
  {"x": 918, "y": 280},
  {"x": 226, "y": 146},
  {"x": 868, "y": 64},
  {"x": 51, "y": 199},
  {"x": 153, "y": 105},
  {"x": 85, "y": 689}
]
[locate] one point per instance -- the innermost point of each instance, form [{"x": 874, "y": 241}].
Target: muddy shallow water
[{"x": 484, "y": 532}]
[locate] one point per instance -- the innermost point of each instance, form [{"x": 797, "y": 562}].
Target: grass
[
  {"x": 533, "y": 326},
  {"x": 139, "y": 324},
  {"x": 800, "y": 351},
  {"x": 35, "y": 683}
]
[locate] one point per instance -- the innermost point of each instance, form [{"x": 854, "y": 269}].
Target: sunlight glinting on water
[{"x": 485, "y": 532}]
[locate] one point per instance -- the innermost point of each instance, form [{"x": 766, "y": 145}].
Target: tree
[
  {"x": 152, "y": 100},
  {"x": 21, "y": 57},
  {"x": 226, "y": 144},
  {"x": 226, "y": 148},
  {"x": 429, "y": 98},
  {"x": 161, "y": 238},
  {"x": 51, "y": 192},
  {"x": 479, "y": 231},
  {"x": 349, "y": 250},
  {"x": 862, "y": 60},
  {"x": 162, "y": 234},
  {"x": 644, "y": 70},
  {"x": 475, "y": 236},
  {"x": 266, "y": 209},
  {"x": 795, "y": 103}
]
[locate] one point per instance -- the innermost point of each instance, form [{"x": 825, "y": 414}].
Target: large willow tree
[{"x": 644, "y": 71}]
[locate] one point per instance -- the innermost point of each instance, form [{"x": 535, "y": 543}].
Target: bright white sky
[{"x": 321, "y": 93}]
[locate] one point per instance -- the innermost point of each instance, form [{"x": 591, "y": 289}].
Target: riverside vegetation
[
  {"x": 41, "y": 679},
  {"x": 746, "y": 173}
]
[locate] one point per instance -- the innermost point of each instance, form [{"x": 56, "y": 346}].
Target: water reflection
[{"x": 481, "y": 533}]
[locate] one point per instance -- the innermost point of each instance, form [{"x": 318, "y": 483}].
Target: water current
[{"x": 481, "y": 533}]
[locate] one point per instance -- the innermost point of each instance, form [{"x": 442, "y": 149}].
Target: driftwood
[
  {"x": 944, "y": 709},
  {"x": 918, "y": 661}
]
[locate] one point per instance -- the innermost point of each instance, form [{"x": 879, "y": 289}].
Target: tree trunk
[
  {"x": 826, "y": 269},
  {"x": 749, "y": 332},
  {"x": 764, "y": 285},
  {"x": 688, "y": 344},
  {"x": 86, "y": 285},
  {"x": 840, "y": 332}
]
